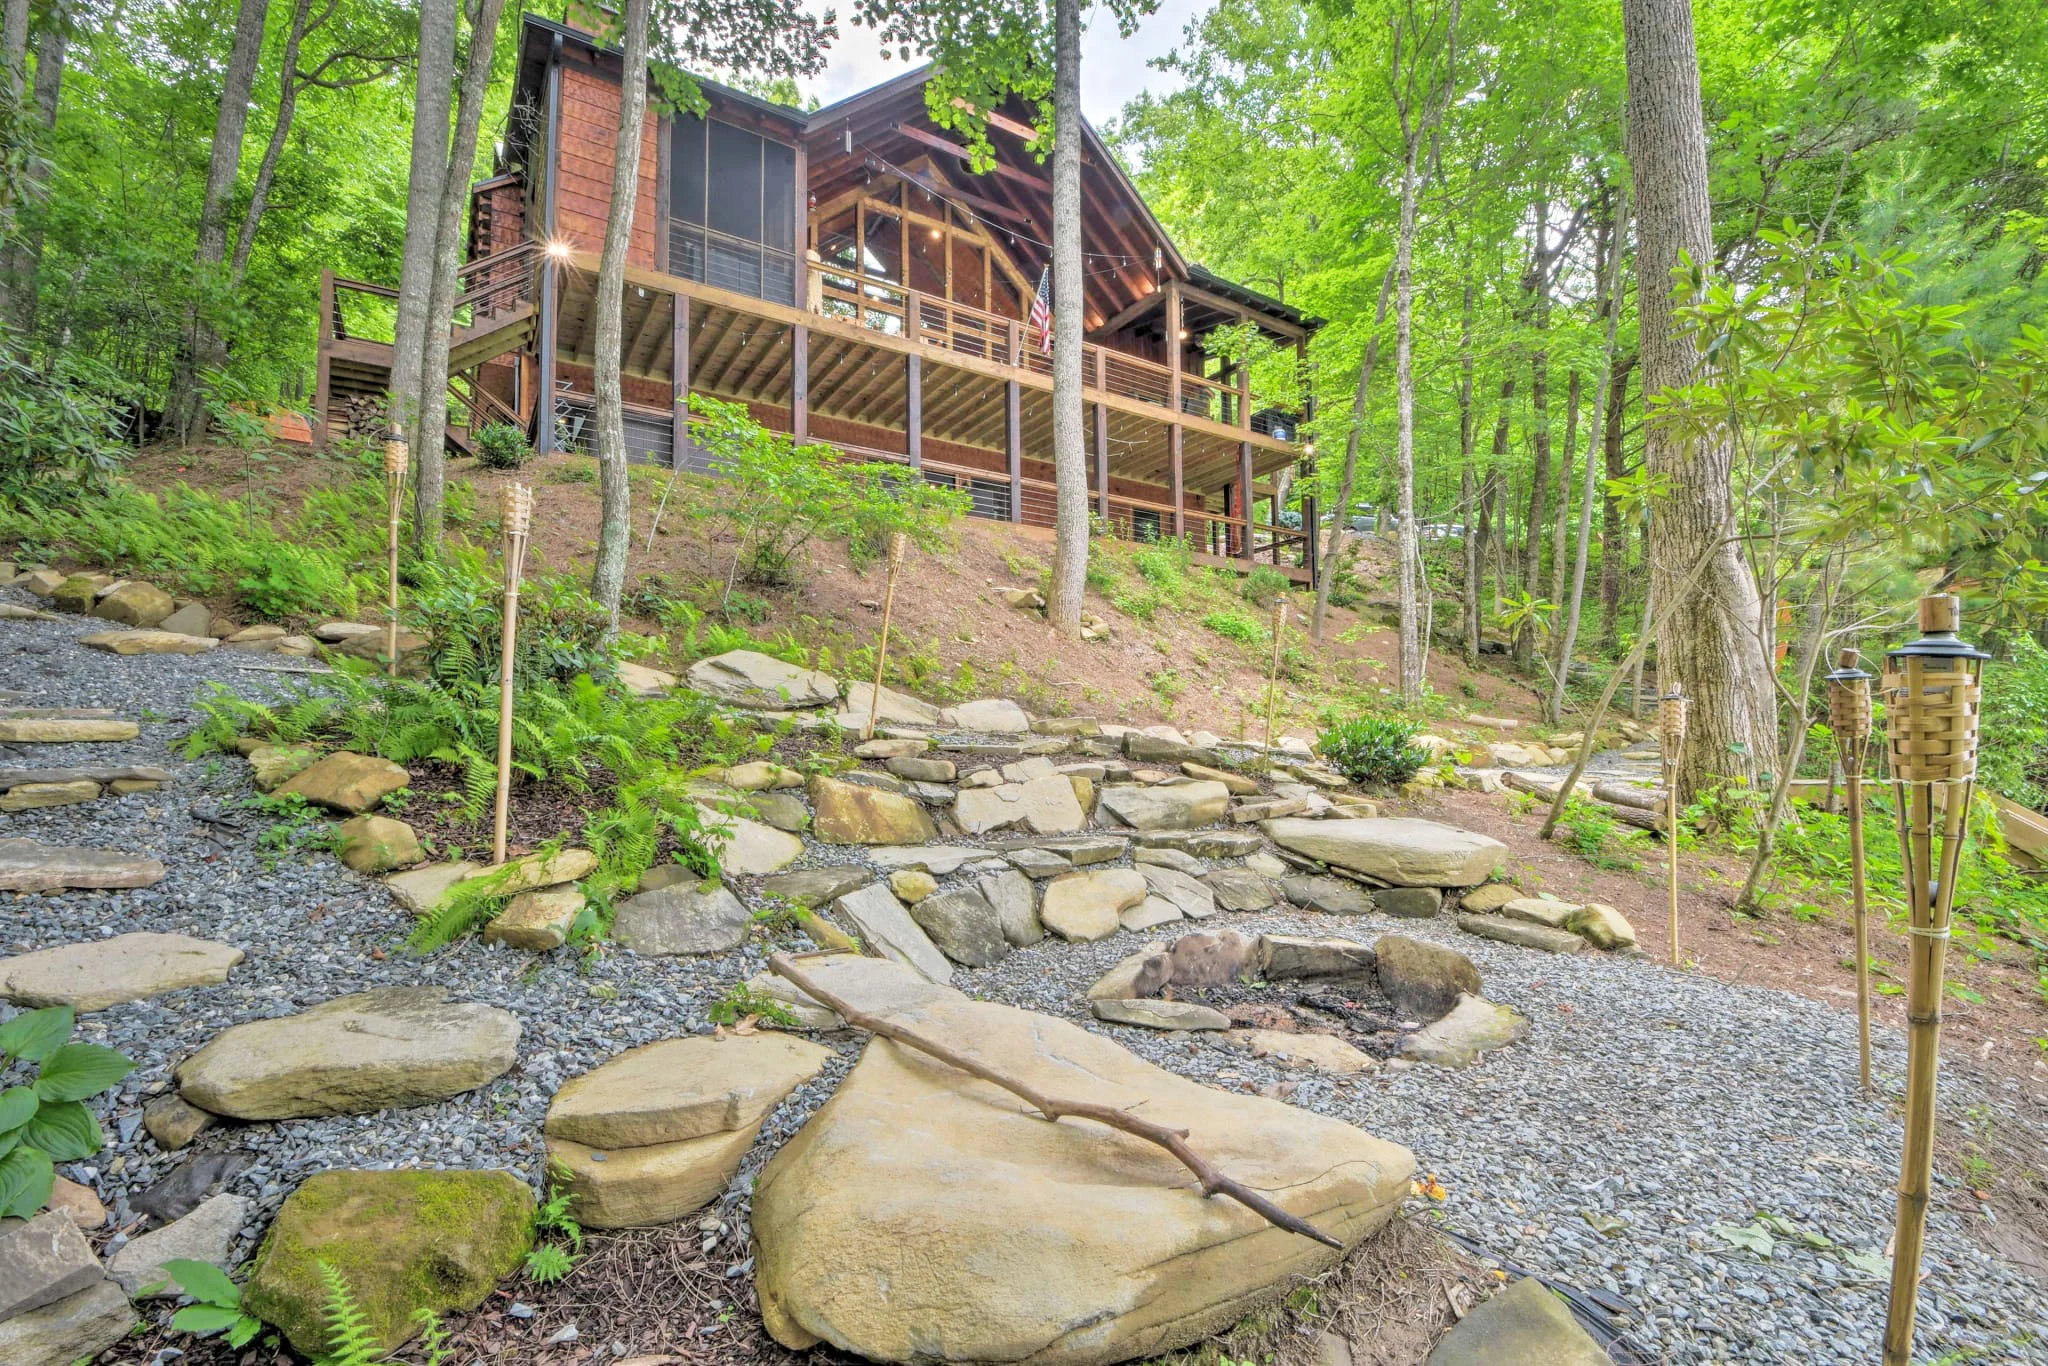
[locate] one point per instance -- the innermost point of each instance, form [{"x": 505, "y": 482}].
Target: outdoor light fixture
[
  {"x": 1183, "y": 334},
  {"x": 1932, "y": 697},
  {"x": 395, "y": 460},
  {"x": 558, "y": 250},
  {"x": 1849, "y": 719}
]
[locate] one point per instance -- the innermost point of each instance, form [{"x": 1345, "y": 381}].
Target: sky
[{"x": 1113, "y": 68}]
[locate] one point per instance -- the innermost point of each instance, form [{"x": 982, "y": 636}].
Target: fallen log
[
  {"x": 1052, "y": 1108},
  {"x": 1624, "y": 794}
]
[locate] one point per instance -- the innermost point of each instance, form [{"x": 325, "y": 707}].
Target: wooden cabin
[{"x": 848, "y": 276}]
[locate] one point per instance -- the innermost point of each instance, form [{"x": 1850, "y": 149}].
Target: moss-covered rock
[{"x": 403, "y": 1241}]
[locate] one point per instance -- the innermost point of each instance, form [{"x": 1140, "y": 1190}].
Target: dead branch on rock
[{"x": 1053, "y": 1108}]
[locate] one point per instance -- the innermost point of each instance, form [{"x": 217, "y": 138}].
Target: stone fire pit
[{"x": 1331, "y": 1004}]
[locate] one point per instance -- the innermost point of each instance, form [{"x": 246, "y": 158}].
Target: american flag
[{"x": 1041, "y": 310}]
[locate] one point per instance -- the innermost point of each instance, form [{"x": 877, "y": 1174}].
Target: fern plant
[
  {"x": 549, "y": 1261},
  {"x": 350, "y": 1340}
]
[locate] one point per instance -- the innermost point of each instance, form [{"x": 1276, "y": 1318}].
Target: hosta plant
[{"x": 43, "y": 1116}]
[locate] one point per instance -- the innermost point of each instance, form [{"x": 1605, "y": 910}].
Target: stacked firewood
[{"x": 365, "y": 417}]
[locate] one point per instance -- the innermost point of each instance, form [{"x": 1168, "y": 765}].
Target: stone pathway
[{"x": 1596, "y": 1111}]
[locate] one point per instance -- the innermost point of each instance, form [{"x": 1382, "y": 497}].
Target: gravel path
[{"x": 1657, "y": 1103}]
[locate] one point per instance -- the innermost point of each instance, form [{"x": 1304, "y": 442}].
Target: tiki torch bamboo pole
[
  {"x": 1671, "y": 725},
  {"x": 899, "y": 545},
  {"x": 1932, "y": 706},
  {"x": 1273, "y": 674},
  {"x": 1860, "y": 900},
  {"x": 394, "y": 493},
  {"x": 517, "y": 523}
]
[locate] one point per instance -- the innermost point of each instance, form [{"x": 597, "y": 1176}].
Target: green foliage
[
  {"x": 1235, "y": 626},
  {"x": 43, "y": 1116},
  {"x": 2013, "y": 758},
  {"x": 553, "y": 1225},
  {"x": 1594, "y": 835},
  {"x": 56, "y": 429},
  {"x": 458, "y": 603},
  {"x": 779, "y": 497},
  {"x": 216, "y": 1307},
  {"x": 1164, "y": 565},
  {"x": 296, "y": 827},
  {"x": 350, "y": 1339},
  {"x": 1264, "y": 585},
  {"x": 1373, "y": 749},
  {"x": 741, "y": 1002},
  {"x": 1525, "y": 611},
  {"x": 502, "y": 446}
]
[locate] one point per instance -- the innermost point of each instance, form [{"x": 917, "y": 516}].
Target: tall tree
[
  {"x": 615, "y": 495},
  {"x": 1711, "y": 643},
  {"x": 1347, "y": 475},
  {"x": 203, "y": 348},
  {"x": 430, "y": 487},
  {"x": 1069, "y": 456},
  {"x": 433, "y": 95},
  {"x": 23, "y": 258}
]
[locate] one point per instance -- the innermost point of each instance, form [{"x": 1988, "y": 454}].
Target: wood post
[
  {"x": 394, "y": 493},
  {"x": 1849, "y": 717},
  {"x": 899, "y": 544},
  {"x": 800, "y": 383},
  {"x": 1671, "y": 737},
  {"x": 1013, "y": 445},
  {"x": 1244, "y": 496},
  {"x": 679, "y": 381},
  {"x": 516, "y": 522},
  {"x": 1244, "y": 389},
  {"x": 1273, "y": 676},
  {"x": 1173, "y": 344},
  {"x": 1176, "y": 479},
  {"x": 1102, "y": 463},
  {"x": 913, "y": 409}
]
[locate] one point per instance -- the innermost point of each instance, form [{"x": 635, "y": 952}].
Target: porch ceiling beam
[
  {"x": 931, "y": 186},
  {"x": 1133, "y": 313},
  {"x": 1238, "y": 310},
  {"x": 966, "y": 154}
]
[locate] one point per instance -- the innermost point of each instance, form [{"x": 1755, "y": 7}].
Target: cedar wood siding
[{"x": 585, "y": 160}]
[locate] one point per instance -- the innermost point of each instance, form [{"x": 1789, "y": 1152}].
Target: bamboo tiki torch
[
  {"x": 516, "y": 521},
  {"x": 1932, "y": 691},
  {"x": 394, "y": 497},
  {"x": 1273, "y": 675},
  {"x": 899, "y": 546},
  {"x": 1671, "y": 739},
  {"x": 1849, "y": 719}
]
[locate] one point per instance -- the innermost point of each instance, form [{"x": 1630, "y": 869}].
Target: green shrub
[
  {"x": 1163, "y": 564},
  {"x": 458, "y": 603},
  {"x": 502, "y": 446},
  {"x": 2014, "y": 759},
  {"x": 1235, "y": 626},
  {"x": 44, "y": 1119},
  {"x": 57, "y": 427},
  {"x": 1373, "y": 749},
  {"x": 1264, "y": 585}
]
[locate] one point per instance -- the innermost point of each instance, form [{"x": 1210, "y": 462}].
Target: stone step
[
  {"x": 30, "y": 866},
  {"x": 128, "y": 967},
  {"x": 58, "y": 730}
]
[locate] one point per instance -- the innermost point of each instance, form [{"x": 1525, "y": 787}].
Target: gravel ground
[{"x": 1659, "y": 1104}]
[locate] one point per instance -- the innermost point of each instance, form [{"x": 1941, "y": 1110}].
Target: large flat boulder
[
  {"x": 76, "y": 1328},
  {"x": 996, "y": 1236},
  {"x": 147, "y": 643},
  {"x": 748, "y": 678},
  {"x": 897, "y": 709},
  {"x": 1474, "y": 1025},
  {"x": 355, "y": 1054},
  {"x": 751, "y": 849},
  {"x": 403, "y": 1241},
  {"x": 135, "y": 603},
  {"x": 1088, "y": 906},
  {"x": 346, "y": 782},
  {"x": 1045, "y": 806},
  {"x": 30, "y": 866},
  {"x": 990, "y": 715},
  {"x": 1400, "y": 851},
  {"x": 681, "y": 1088},
  {"x": 682, "y": 919},
  {"x": 1174, "y": 806},
  {"x": 851, "y": 813},
  {"x": 65, "y": 730},
  {"x": 886, "y": 928},
  {"x": 98, "y": 973}
]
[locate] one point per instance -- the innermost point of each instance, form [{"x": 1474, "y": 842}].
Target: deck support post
[
  {"x": 1309, "y": 520},
  {"x": 679, "y": 381},
  {"x": 1173, "y": 343},
  {"x": 1177, "y": 480},
  {"x": 913, "y": 409},
  {"x": 1013, "y": 445},
  {"x": 1244, "y": 396},
  {"x": 1244, "y": 496},
  {"x": 1102, "y": 462},
  {"x": 800, "y": 383},
  {"x": 323, "y": 367}
]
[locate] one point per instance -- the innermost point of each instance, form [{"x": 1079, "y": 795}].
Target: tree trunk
[
  {"x": 266, "y": 170},
  {"x": 1347, "y": 476},
  {"x": 14, "y": 72},
  {"x": 24, "y": 260},
  {"x": 203, "y": 348},
  {"x": 615, "y": 497},
  {"x": 1613, "y": 529},
  {"x": 429, "y": 168},
  {"x": 430, "y": 486},
  {"x": 1410, "y": 657},
  {"x": 1468, "y": 483},
  {"x": 1069, "y": 453},
  {"x": 1708, "y": 642},
  {"x": 1560, "y": 544},
  {"x": 1615, "y": 241},
  {"x": 1539, "y": 420}
]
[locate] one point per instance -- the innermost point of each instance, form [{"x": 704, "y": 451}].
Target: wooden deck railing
[
  {"x": 491, "y": 285},
  {"x": 890, "y": 308}
]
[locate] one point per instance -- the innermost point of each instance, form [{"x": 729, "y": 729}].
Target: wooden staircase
[{"x": 354, "y": 372}]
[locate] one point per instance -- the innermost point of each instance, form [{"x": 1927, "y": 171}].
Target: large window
[{"x": 732, "y": 209}]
